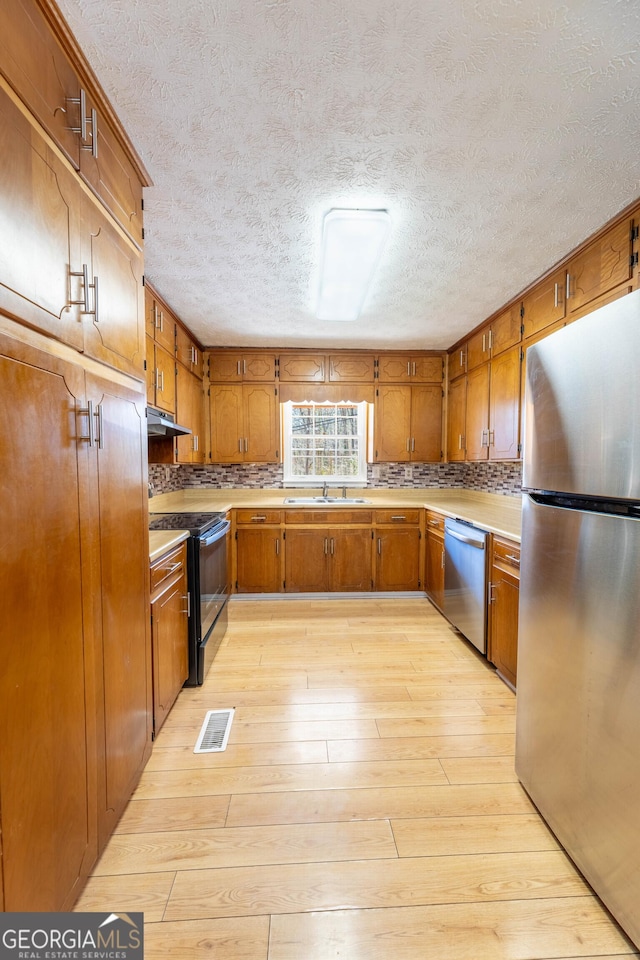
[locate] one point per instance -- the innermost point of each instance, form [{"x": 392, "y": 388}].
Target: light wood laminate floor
[{"x": 366, "y": 807}]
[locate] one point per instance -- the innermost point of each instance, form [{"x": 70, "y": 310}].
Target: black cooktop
[{"x": 195, "y": 523}]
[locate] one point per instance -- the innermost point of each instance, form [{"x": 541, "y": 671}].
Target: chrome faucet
[
  {"x": 325, "y": 489},
  {"x": 344, "y": 492}
]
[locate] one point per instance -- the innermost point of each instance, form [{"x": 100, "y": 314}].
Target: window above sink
[{"x": 325, "y": 443}]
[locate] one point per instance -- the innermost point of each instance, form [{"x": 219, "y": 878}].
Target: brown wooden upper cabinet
[
  {"x": 493, "y": 408},
  {"x": 231, "y": 367},
  {"x": 160, "y": 323},
  {"x": 456, "y": 420},
  {"x": 545, "y": 304},
  {"x": 410, "y": 368},
  {"x": 244, "y": 423},
  {"x": 503, "y": 332},
  {"x": 605, "y": 263},
  {"x": 351, "y": 368},
  {"x": 188, "y": 353},
  {"x": 302, "y": 367},
  {"x": 408, "y": 423},
  {"x": 64, "y": 100}
]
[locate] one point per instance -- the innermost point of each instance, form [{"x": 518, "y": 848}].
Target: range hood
[{"x": 161, "y": 424}]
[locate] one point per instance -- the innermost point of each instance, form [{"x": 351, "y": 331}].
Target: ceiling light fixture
[{"x": 352, "y": 244}]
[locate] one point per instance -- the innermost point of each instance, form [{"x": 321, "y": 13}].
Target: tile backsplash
[{"x": 505, "y": 478}]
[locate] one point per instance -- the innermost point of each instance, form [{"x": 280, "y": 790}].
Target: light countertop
[{"x": 497, "y": 513}]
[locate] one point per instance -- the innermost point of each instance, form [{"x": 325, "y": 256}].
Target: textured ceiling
[{"x": 498, "y": 133}]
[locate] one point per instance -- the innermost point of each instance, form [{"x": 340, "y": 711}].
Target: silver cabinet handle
[
  {"x": 82, "y": 102},
  {"x": 484, "y": 442},
  {"x": 413, "y": 444},
  {"x": 86, "y": 286},
  {"x": 433, "y": 523},
  {"x": 244, "y": 366},
  {"x": 568, "y": 287},
  {"x": 187, "y": 597},
  {"x": 492, "y": 438},
  {"x": 490, "y": 340},
  {"x": 513, "y": 558},
  {"x": 413, "y": 369},
  {"x": 100, "y": 427},
  {"x": 555, "y": 294},
  {"x": 93, "y": 120},
  {"x": 259, "y": 518},
  {"x": 462, "y": 358},
  {"x": 460, "y": 441},
  {"x": 88, "y": 412},
  {"x": 379, "y": 546},
  {"x": 240, "y": 444},
  {"x": 491, "y": 597},
  {"x": 238, "y": 368},
  {"x": 399, "y": 517},
  {"x": 408, "y": 369},
  {"x": 484, "y": 346},
  {"x": 408, "y": 443},
  {"x": 246, "y": 445},
  {"x": 442, "y": 560},
  {"x": 326, "y": 546},
  {"x": 277, "y": 546},
  {"x": 331, "y": 546}
]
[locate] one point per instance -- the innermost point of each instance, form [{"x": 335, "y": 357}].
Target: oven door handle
[{"x": 219, "y": 533}]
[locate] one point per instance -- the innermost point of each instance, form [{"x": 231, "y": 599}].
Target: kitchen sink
[{"x": 301, "y": 501}]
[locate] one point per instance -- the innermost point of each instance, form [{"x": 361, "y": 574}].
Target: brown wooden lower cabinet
[
  {"x": 320, "y": 559},
  {"x": 397, "y": 558},
  {"x": 75, "y": 683},
  {"x": 504, "y": 592},
  {"x": 259, "y": 559},
  {"x": 434, "y": 559},
  {"x": 169, "y": 631}
]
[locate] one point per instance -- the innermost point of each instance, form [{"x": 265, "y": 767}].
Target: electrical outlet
[
  {"x": 408, "y": 473},
  {"x": 375, "y": 471}
]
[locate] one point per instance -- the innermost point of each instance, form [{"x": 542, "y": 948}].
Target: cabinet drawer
[
  {"x": 397, "y": 516},
  {"x": 435, "y": 522},
  {"x": 337, "y": 517},
  {"x": 168, "y": 568},
  {"x": 506, "y": 553},
  {"x": 258, "y": 516}
]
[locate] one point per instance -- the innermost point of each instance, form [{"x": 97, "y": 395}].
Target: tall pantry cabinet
[{"x": 75, "y": 653}]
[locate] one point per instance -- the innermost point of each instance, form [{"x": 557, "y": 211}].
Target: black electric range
[{"x": 208, "y": 583}]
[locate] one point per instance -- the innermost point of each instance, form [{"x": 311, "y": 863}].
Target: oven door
[{"x": 213, "y": 576}]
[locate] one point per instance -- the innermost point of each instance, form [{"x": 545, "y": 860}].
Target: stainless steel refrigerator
[{"x": 578, "y": 700}]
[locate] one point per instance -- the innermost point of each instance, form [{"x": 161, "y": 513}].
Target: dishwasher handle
[{"x": 478, "y": 544}]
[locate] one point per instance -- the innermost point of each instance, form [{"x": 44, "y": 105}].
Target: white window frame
[{"x": 314, "y": 480}]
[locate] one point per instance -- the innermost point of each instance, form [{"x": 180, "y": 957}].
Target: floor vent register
[{"x": 215, "y": 731}]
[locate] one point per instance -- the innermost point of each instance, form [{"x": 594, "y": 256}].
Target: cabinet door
[
  {"x": 504, "y": 406},
  {"x": 506, "y": 330},
  {"x": 478, "y": 348},
  {"x": 351, "y": 368},
  {"x": 47, "y": 653},
  {"x": 545, "y": 304},
  {"x": 226, "y": 423},
  {"x": 40, "y": 72},
  {"x": 397, "y": 559},
  {"x": 456, "y": 427},
  {"x": 394, "y": 368},
  {"x": 426, "y": 423},
  {"x": 187, "y": 353},
  {"x": 258, "y": 367},
  {"x": 604, "y": 264},
  {"x": 164, "y": 367},
  {"x": 457, "y": 362},
  {"x": 306, "y": 560},
  {"x": 40, "y": 203},
  {"x": 350, "y": 563},
  {"x": 189, "y": 413},
  {"x": 503, "y": 621},
  {"x": 427, "y": 369},
  {"x": 435, "y": 569},
  {"x": 108, "y": 170},
  {"x": 225, "y": 367},
  {"x": 170, "y": 627},
  {"x": 119, "y": 479},
  {"x": 114, "y": 329},
  {"x": 477, "y": 413},
  {"x": 259, "y": 560},
  {"x": 302, "y": 368},
  {"x": 261, "y": 424},
  {"x": 392, "y": 423}
]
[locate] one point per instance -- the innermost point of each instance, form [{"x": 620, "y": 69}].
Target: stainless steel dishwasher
[{"x": 465, "y": 580}]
